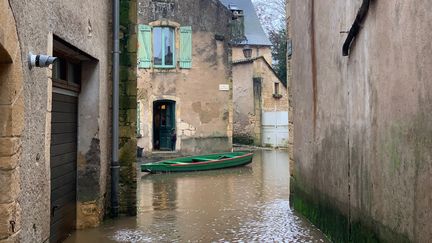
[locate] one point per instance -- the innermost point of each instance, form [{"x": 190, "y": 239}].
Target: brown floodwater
[{"x": 243, "y": 204}]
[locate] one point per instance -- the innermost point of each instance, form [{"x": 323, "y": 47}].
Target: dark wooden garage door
[{"x": 64, "y": 125}]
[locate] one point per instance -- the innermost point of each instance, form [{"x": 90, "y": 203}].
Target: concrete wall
[
  {"x": 363, "y": 123},
  {"x": 83, "y": 24},
  {"x": 203, "y": 112},
  {"x": 248, "y": 104}
]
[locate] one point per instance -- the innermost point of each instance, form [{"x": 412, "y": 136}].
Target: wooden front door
[{"x": 163, "y": 125}]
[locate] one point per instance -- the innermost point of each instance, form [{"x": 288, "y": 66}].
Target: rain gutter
[
  {"x": 115, "y": 166},
  {"x": 355, "y": 28}
]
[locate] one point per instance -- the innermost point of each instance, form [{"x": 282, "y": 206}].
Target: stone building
[
  {"x": 289, "y": 85},
  {"x": 362, "y": 117},
  {"x": 184, "y": 76},
  {"x": 260, "y": 97},
  {"x": 54, "y": 127},
  {"x": 260, "y": 104}
]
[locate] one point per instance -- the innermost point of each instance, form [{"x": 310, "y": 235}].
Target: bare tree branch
[{"x": 271, "y": 14}]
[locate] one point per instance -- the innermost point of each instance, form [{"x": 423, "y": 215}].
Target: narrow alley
[{"x": 249, "y": 203}]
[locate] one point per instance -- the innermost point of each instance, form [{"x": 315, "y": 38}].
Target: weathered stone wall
[
  {"x": 203, "y": 112},
  {"x": 248, "y": 105},
  {"x": 245, "y": 116},
  {"x": 257, "y": 51},
  {"x": 11, "y": 124},
  {"x": 128, "y": 111},
  {"x": 85, "y": 25},
  {"x": 363, "y": 123},
  {"x": 269, "y": 102}
]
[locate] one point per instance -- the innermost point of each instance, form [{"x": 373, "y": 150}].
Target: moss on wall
[
  {"x": 324, "y": 214},
  {"x": 243, "y": 139},
  {"x": 127, "y": 110}
]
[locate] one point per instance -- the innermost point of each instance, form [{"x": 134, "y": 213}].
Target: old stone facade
[
  {"x": 11, "y": 125},
  {"x": 128, "y": 109},
  {"x": 258, "y": 94},
  {"x": 362, "y": 142},
  {"x": 257, "y": 51},
  {"x": 184, "y": 95},
  {"x": 260, "y": 97},
  {"x": 33, "y": 144}
]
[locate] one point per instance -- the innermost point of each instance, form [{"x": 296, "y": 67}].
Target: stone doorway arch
[{"x": 11, "y": 124}]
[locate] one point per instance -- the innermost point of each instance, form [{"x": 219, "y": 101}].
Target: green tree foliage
[
  {"x": 279, "y": 53},
  {"x": 272, "y": 17}
]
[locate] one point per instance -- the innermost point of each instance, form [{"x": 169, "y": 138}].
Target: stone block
[
  {"x": 9, "y": 146},
  {"x": 5, "y": 120},
  {"x": 12, "y": 239},
  {"x": 132, "y": 46},
  {"x": 9, "y": 181},
  {"x": 12, "y": 118},
  {"x": 126, "y": 132},
  {"x": 9, "y": 162},
  {"x": 10, "y": 216},
  {"x": 89, "y": 214},
  {"x": 10, "y": 84},
  {"x": 18, "y": 116}
]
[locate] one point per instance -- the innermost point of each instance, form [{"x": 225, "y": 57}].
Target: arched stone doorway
[{"x": 11, "y": 124}]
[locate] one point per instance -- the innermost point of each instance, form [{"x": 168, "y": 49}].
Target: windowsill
[
  {"x": 164, "y": 67},
  {"x": 155, "y": 69}
]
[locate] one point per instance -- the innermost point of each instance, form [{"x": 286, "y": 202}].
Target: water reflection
[{"x": 233, "y": 205}]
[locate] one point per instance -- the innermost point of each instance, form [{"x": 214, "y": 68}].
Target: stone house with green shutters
[{"x": 184, "y": 76}]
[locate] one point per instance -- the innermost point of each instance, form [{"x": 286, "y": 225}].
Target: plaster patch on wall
[
  {"x": 185, "y": 129},
  {"x": 206, "y": 114}
]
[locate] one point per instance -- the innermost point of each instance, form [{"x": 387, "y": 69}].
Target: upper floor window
[
  {"x": 276, "y": 93},
  {"x": 163, "y": 47},
  {"x": 157, "y": 47},
  {"x": 276, "y": 88}
]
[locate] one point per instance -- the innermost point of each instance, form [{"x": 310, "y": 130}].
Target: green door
[{"x": 164, "y": 125}]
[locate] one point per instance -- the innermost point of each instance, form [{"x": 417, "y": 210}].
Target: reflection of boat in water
[
  {"x": 201, "y": 162},
  {"x": 229, "y": 172}
]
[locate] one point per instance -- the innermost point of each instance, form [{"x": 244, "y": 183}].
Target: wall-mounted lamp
[
  {"x": 40, "y": 60},
  {"x": 247, "y": 51}
]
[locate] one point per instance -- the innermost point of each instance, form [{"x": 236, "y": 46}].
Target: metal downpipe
[
  {"x": 355, "y": 28},
  {"x": 115, "y": 166}
]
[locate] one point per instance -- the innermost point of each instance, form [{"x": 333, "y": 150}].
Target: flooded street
[{"x": 244, "y": 204}]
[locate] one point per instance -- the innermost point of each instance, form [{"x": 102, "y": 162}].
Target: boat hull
[{"x": 199, "y": 163}]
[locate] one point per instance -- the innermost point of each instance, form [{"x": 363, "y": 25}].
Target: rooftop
[{"x": 253, "y": 30}]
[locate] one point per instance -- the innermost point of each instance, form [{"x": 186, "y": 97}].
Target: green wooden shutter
[
  {"x": 144, "y": 46},
  {"x": 185, "y": 47}
]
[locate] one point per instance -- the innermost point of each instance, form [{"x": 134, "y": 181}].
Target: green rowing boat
[{"x": 201, "y": 162}]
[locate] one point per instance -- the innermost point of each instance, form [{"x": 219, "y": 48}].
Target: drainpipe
[
  {"x": 355, "y": 28},
  {"x": 115, "y": 166}
]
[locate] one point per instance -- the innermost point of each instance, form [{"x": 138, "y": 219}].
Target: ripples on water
[{"x": 246, "y": 204}]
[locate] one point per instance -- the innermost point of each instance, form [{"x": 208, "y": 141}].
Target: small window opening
[{"x": 277, "y": 93}]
